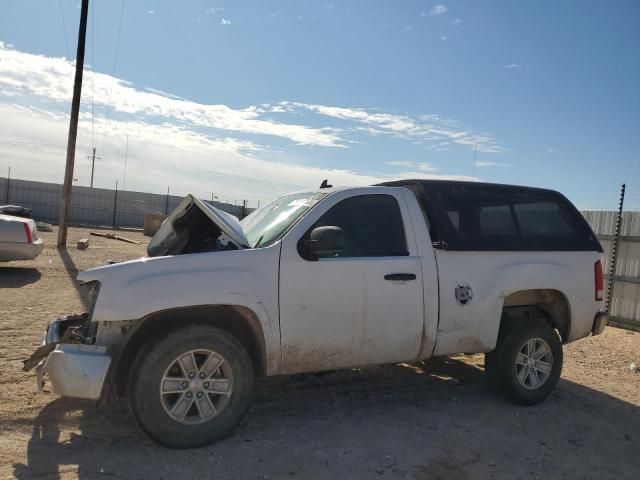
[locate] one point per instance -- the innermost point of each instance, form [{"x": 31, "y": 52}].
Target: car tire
[
  {"x": 191, "y": 387},
  {"x": 527, "y": 361}
]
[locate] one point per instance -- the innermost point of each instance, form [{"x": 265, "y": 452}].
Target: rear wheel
[
  {"x": 192, "y": 387},
  {"x": 527, "y": 361}
]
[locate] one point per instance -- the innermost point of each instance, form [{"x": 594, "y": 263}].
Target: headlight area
[
  {"x": 70, "y": 329},
  {"x": 105, "y": 333},
  {"x": 89, "y": 292}
]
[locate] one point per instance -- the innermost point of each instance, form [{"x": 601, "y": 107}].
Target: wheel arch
[
  {"x": 239, "y": 321},
  {"x": 553, "y": 304}
]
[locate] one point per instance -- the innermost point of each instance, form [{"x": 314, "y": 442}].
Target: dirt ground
[{"x": 434, "y": 420}]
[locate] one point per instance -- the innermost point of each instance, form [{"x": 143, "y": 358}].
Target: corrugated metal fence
[
  {"x": 625, "y": 302},
  {"x": 94, "y": 206}
]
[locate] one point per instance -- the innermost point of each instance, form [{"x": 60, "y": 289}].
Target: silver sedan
[{"x": 18, "y": 239}]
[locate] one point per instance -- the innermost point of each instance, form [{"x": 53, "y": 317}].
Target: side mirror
[{"x": 326, "y": 241}]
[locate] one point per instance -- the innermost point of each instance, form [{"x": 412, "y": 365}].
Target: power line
[
  {"x": 115, "y": 58},
  {"x": 64, "y": 29},
  {"x": 110, "y": 96},
  {"x": 115, "y": 63},
  {"x": 93, "y": 73}
]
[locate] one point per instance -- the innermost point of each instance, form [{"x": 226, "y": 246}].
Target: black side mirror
[{"x": 325, "y": 242}]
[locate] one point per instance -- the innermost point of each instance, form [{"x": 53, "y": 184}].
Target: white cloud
[
  {"x": 492, "y": 164},
  {"x": 427, "y": 127},
  {"x": 456, "y": 22},
  {"x": 437, "y": 10},
  {"x": 551, "y": 150},
  {"x": 181, "y": 159},
  {"x": 224, "y": 21},
  {"x": 443, "y": 38},
  {"x": 151, "y": 12},
  {"x": 420, "y": 166},
  {"x": 52, "y": 79},
  {"x": 190, "y": 145},
  {"x": 511, "y": 66}
]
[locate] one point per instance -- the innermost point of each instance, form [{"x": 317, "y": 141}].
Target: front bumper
[
  {"x": 599, "y": 322},
  {"x": 74, "y": 369}
]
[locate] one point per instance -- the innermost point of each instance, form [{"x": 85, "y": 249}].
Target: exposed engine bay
[{"x": 196, "y": 227}]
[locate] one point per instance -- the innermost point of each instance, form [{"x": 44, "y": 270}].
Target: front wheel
[
  {"x": 192, "y": 387},
  {"x": 527, "y": 361}
]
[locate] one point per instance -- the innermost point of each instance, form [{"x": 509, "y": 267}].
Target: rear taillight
[
  {"x": 27, "y": 230},
  {"x": 599, "y": 282}
]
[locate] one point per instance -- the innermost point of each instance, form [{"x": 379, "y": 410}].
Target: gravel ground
[{"x": 432, "y": 420}]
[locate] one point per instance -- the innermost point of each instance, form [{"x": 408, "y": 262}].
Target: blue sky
[{"x": 254, "y": 99}]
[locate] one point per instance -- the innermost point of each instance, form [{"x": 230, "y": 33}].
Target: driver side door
[{"x": 361, "y": 306}]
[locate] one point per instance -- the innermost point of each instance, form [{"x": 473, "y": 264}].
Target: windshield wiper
[{"x": 258, "y": 242}]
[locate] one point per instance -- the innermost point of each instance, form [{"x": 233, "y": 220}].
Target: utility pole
[
  {"x": 93, "y": 163},
  {"x": 126, "y": 154},
  {"x": 73, "y": 128},
  {"x": 115, "y": 205},
  {"x": 8, "y": 183}
]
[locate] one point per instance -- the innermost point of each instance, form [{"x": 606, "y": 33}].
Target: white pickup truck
[{"x": 330, "y": 279}]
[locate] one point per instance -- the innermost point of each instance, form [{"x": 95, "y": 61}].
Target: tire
[
  {"x": 511, "y": 369},
  {"x": 197, "y": 410}
]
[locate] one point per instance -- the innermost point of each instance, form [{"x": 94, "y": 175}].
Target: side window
[
  {"x": 454, "y": 218},
  {"x": 372, "y": 225},
  {"x": 475, "y": 216},
  {"x": 496, "y": 220},
  {"x": 542, "y": 219}
]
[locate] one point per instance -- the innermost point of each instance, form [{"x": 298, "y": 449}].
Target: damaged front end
[{"x": 73, "y": 364}]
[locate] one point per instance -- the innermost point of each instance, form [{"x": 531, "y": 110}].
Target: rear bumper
[
  {"x": 599, "y": 322},
  {"x": 74, "y": 369},
  {"x": 10, "y": 251}
]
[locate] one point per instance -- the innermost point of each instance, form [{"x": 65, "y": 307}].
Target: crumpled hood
[{"x": 166, "y": 237}]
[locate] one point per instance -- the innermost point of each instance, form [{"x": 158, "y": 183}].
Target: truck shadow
[
  {"x": 72, "y": 271},
  {"x": 16, "y": 277},
  {"x": 426, "y": 420}
]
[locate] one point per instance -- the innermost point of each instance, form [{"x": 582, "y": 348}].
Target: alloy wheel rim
[
  {"x": 534, "y": 363},
  {"x": 196, "y": 386}
]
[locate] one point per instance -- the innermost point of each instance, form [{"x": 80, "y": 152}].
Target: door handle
[{"x": 400, "y": 276}]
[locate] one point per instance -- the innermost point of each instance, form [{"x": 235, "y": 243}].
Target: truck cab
[{"x": 330, "y": 279}]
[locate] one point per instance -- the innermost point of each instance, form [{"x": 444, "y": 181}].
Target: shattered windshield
[{"x": 268, "y": 223}]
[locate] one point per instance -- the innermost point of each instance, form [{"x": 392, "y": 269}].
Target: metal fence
[
  {"x": 624, "y": 307},
  {"x": 95, "y": 206}
]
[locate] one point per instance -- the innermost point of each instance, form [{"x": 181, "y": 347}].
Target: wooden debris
[
  {"x": 83, "y": 244},
  {"x": 114, "y": 237},
  {"x": 42, "y": 352}
]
